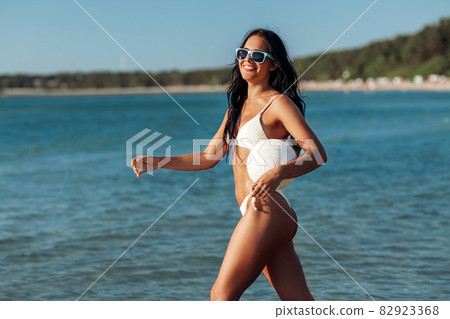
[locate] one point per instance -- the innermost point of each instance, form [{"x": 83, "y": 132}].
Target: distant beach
[{"x": 432, "y": 83}]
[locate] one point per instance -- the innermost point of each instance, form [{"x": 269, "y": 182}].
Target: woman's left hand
[{"x": 266, "y": 184}]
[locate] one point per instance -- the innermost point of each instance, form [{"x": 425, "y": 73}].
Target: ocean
[{"x": 70, "y": 206}]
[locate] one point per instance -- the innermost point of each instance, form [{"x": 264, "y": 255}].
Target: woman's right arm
[{"x": 205, "y": 159}]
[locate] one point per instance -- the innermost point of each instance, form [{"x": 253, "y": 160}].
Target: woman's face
[{"x": 252, "y": 71}]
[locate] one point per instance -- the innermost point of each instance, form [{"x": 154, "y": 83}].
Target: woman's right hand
[{"x": 143, "y": 164}]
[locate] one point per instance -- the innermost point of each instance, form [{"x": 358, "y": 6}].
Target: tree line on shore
[{"x": 424, "y": 53}]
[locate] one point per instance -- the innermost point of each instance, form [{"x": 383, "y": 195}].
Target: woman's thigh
[
  {"x": 255, "y": 240},
  {"x": 285, "y": 272}
]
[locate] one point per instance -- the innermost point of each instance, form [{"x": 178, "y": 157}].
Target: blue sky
[{"x": 57, "y": 36}]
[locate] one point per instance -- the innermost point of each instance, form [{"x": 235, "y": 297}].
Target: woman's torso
[{"x": 257, "y": 122}]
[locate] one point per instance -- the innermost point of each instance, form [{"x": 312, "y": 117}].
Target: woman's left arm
[
  {"x": 294, "y": 122},
  {"x": 290, "y": 116}
]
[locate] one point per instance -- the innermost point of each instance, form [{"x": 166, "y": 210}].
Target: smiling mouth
[{"x": 248, "y": 68}]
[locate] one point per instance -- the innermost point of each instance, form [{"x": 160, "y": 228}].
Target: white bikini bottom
[{"x": 243, "y": 206}]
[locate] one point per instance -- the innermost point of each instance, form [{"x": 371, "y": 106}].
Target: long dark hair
[{"x": 281, "y": 79}]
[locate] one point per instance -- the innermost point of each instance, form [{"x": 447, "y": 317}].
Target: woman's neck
[{"x": 255, "y": 91}]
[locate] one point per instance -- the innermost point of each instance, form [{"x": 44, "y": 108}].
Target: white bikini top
[
  {"x": 268, "y": 154},
  {"x": 252, "y": 132}
]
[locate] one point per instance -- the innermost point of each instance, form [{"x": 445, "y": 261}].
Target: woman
[{"x": 263, "y": 104}]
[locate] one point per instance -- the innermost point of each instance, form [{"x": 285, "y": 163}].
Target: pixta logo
[{"x": 145, "y": 144}]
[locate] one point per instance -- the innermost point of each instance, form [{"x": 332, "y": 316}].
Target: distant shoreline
[{"x": 306, "y": 86}]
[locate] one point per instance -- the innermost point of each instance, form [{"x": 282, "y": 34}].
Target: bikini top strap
[{"x": 270, "y": 102}]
